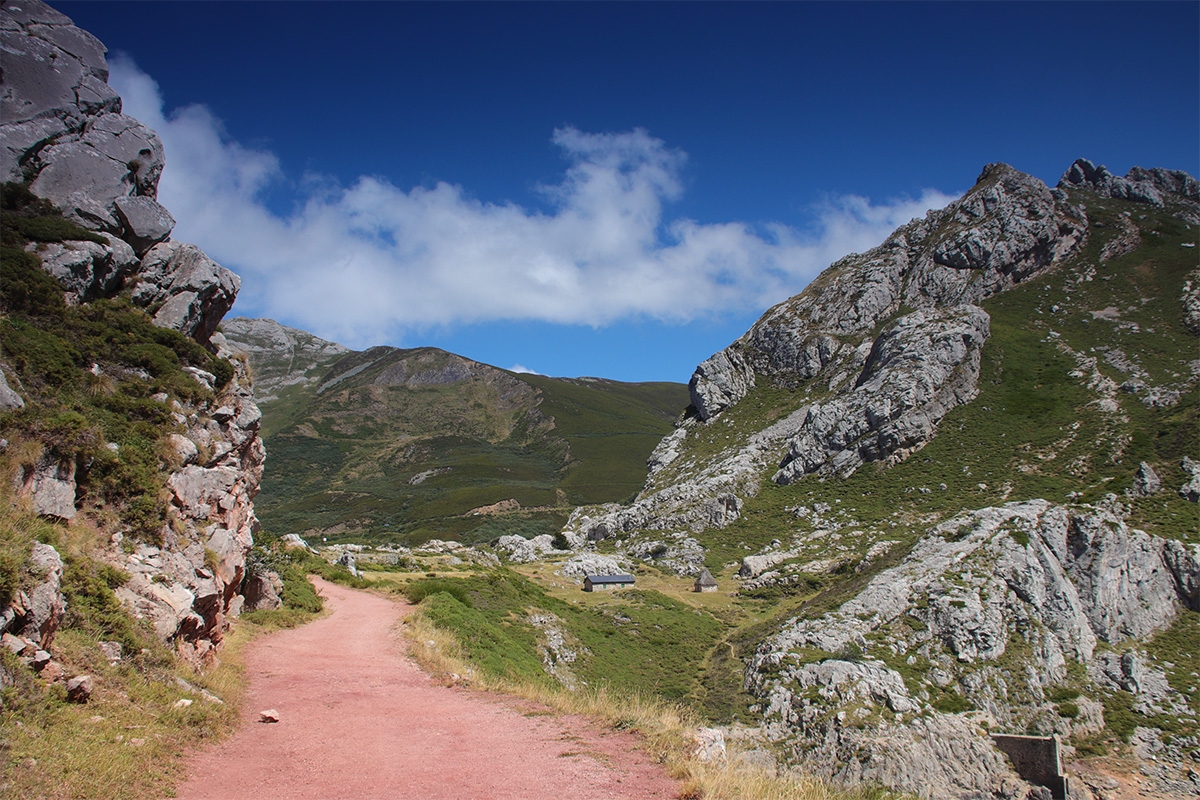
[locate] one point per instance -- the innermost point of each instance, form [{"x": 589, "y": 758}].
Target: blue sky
[{"x": 611, "y": 189}]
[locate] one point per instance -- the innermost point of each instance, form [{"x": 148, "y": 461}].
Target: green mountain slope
[{"x": 403, "y": 445}]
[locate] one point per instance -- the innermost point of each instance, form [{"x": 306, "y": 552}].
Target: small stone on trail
[{"x": 269, "y": 715}]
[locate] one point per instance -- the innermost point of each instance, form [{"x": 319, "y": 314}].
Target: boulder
[
  {"x": 190, "y": 291},
  {"x": 145, "y": 223},
  {"x": 709, "y": 745},
  {"x": 79, "y": 688},
  {"x": 262, "y": 591},
  {"x": 1190, "y": 490},
  {"x": 1146, "y": 481},
  {"x": 9, "y": 400},
  {"x": 50, "y": 487},
  {"x": 346, "y": 559}
]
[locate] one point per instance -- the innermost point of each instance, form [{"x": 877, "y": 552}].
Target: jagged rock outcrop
[
  {"x": 1139, "y": 185},
  {"x": 36, "y": 613},
  {"x": 919, "y": 368},
  {"x": 88, "y": 270},
  {"x": 191, "y": 585},
  {"x": 64, "y": 130},
  {"x": 883, "y": 345},
  {"x": 63, "y": 134},
  {"x": 989, "y": 606}
]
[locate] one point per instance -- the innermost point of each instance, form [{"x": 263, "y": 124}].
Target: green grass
[{"x": 633, "y": 641}]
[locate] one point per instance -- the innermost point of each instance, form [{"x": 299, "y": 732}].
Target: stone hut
[
  {"x": 603, "y": 583},
  {"x": 705, "y": 582}
]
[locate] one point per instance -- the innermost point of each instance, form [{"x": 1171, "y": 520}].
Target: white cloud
[
  {"x": 521, "y": 369},
  {"x": 365, "y": 264}
]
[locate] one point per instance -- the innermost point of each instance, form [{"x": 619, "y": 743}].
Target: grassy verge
[
  {"x": 146, "y": 711},
  {"x": 667, "y": 727}
]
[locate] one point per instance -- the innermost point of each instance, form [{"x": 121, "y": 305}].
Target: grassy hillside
[
  {"x": 402, "y": 445},
  {"x": 1036, "y": 430}
]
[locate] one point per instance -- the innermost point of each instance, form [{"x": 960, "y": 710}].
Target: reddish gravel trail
[{"x": 359, "y": 721}]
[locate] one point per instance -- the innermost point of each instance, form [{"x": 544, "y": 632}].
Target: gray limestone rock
[
  {"x": 62, "y": 123},
  {"x": 719, "y": 382},
  {"x": 1058, "y": 579},
  {"x": 185, "y": 289},
  {"x": 9, "y": 399},
  {"x": 919, "y": 368},
  {"x": 88, "y": 270},
  {"x": 144, "y": 222},
  {"x": 346, "y": 559},
  {"x": 61, "y": 129},
  {"x": 1190, "y": 300},
  {"x": 1190, "y": 490},
  {"x": 1146, "y": 481},
  {"x": 50, "y": 487},
  {"x": 1139, "y": 185},
  {"x": 590, "y": 564}
]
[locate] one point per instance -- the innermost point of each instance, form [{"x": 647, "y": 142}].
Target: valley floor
[{"x": 357, "y": 718}]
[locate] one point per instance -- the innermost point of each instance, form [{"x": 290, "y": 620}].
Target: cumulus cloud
[{"x": 370, "y": 262}]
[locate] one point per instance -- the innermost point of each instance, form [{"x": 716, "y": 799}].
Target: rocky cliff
[{"x": 66, "y": 140}]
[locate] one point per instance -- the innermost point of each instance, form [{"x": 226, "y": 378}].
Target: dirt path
[{"x": 359, "y": 720}]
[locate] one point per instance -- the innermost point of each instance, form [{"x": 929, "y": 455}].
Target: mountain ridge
[{"x": 428, "y": 419}]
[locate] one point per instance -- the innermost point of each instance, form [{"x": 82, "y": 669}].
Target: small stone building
[
  {"x": 603, "y": 583},
  {"x": 705, "y": 582}
]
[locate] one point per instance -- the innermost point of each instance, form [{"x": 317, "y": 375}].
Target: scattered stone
[
  {"x": 1190, "y": 491},
  {"x": 53, "y": 672},
  {"x": 79, "y": 688},
  {"x": 111, "y": 651},
  {"x": 1146, "y": 481},
  {"x": 182, "y": 702},
  {"x": 41, "y": 659},
  {"x": 269, "y": 715}
]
